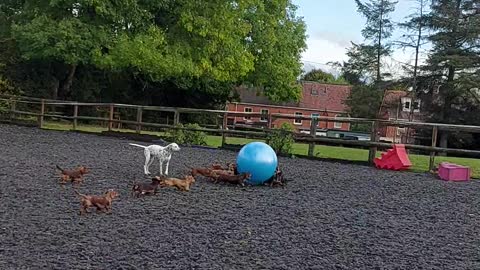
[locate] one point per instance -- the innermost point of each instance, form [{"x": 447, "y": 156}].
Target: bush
[
  {"x": 194, "y": 137},
  {"x": 281, "y": 140},
  {"x": 176, "y": 135},
  {"x": 6, "y": 89},
  {"x": 189, "y": 137}
]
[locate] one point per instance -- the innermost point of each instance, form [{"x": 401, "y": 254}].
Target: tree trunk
[
  {"x": 379, "y": 45},
  {"x": 55, "y": 87},
  {"x": 67, "y": 82},
  {"x": 415, "y": 69},
  {"x": 447, "y": 104},
  {"x": 443, "y": 142}
]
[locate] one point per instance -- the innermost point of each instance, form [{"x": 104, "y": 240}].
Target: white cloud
[
  {"x": 323, "y": 51},
  {"x": 328, "y": 47}
]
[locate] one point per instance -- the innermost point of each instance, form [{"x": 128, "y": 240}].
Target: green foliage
[
  {"x": 281, "y": 139},
  {"x": 175, "y": 134},
  {"x": 364, "y": 101},
  {"x": 277, "y": 40},
  {"x": 318, "y": 75},
  {"x": 181, "y": 42},
  {"x": 378, "y": 28},
  {"x": 188, "y": 137},
  {"x": 6, "y": 89},
  {"x": 194, "y": 137},
  {"x": 452, "y": 69}
]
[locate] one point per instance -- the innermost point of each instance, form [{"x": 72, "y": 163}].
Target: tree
[
  {"x": 226, "y": 42},
  {"x": 364, "y": 101},
  {"x": 414, "y": 39},
  {"x": 318, "y": 75},
  {"x": 378, "y": 28},
  {"x": 453, "y": 65},
  {"x": 277, "y": 40}
]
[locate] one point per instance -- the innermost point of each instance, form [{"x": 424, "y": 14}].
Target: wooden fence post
[
  {"x": 434, "y": 143},
  {"x": 176, "y": 117},
  {"x": 313, "y": 134},
  {"x": 75, "y": 115},
  {"x": 372, "y": 152},
  {"x": 224, "y": 127},
  {"x": 110, "y": 117},
  {"x": 139, "y": 119},
  {"x": 42, "y": 113}
]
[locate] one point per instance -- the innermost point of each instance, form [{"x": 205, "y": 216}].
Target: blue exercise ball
[{"x": 259, "y": 159}]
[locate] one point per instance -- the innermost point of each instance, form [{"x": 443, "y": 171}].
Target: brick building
[
  {"x": 396, "y": 105},
  {"x": 318, "y": 99}
]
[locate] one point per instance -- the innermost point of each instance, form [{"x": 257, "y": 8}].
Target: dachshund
[
  {"x": 146, "y": 188},
  {"x": 102, "y": 203},
  {"x": 180, "y": 184},
  {"x": 75, "y": 175},
  {"x": 233, "y": 179},
  {"x": 277, "y": 179}
]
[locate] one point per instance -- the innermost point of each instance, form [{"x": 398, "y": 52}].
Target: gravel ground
[{"x": 331, "y": 216}]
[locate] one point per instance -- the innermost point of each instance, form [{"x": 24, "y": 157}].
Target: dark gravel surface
[{"x": 332, "y": 216}]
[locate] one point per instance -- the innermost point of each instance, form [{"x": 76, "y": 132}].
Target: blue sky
[{"x": 332, "y": 24}]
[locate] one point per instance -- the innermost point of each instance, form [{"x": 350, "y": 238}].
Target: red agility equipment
[{"x": 394, "y": 159}]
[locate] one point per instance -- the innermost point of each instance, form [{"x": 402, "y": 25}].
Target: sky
[{"x": 332, "y": 24}]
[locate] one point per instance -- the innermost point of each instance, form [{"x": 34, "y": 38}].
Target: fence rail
[{"x": 311, "y": 139}]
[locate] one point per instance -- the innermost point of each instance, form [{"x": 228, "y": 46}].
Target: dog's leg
[
  {"x": 160, "y": 162},
  {"x": 166, "y": 166},
  {"x": 147, "y": 161}
]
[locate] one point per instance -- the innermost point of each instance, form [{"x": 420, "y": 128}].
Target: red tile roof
[
  {"x": 328, "y": 97},
  {"x": 392, "y": 97},
  {"x": 317, "y": 96}
]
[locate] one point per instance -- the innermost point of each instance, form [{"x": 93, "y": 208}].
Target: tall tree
[
  {"x": 414, "y": 38},
  {"x": 378, "y": 28},
  {"x": 453, "y": 65},
  {"x": 222, "y": 42}
]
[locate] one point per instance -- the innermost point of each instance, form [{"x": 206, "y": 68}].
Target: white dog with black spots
[{"x": 162, "y": 153}]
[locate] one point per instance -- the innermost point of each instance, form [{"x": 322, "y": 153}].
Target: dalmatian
[{"x": 162, "y": 153}]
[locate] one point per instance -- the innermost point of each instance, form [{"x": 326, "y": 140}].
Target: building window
[
  {"x": 315, "y": 116},
  {"x": 247, "y": 110},
  {"x": 400, "y": 131},
  {"x": 298, "y": 121},
  {"x": 314, "y": 92},
  {"x": 407, "y": 104},
  {"x": 264, "y": 119},
  {"x": 416, "y": 105},
  {"x": 337, "y": 124}
]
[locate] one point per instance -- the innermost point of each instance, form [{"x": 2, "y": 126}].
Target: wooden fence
[{"x": 311, "y": 139}]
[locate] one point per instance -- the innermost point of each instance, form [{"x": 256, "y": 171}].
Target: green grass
[{"x": 420, "y": 162}]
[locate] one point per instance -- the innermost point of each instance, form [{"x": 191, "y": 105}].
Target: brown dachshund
[
  {"x": 233, "y": 179},
  {"x": 218, "y": 172},
  {"x": 146, "y": 188},
  {"x": 216, "y": 166},
  {"x": 277, "y": 179},
  {"x": 230, "y": 167},
  {"x": 102, "y": 203},
  {"x": 74, "y": 176},
  {"x": 201, "y": 171},
  {"x": 180, "y": 184}
]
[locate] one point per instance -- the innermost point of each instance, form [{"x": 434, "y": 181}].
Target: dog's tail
[
  {"x": 137, "y": 145},
  {"x": 58, "y": 167},
  {"x": 80, "y": 194}
]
